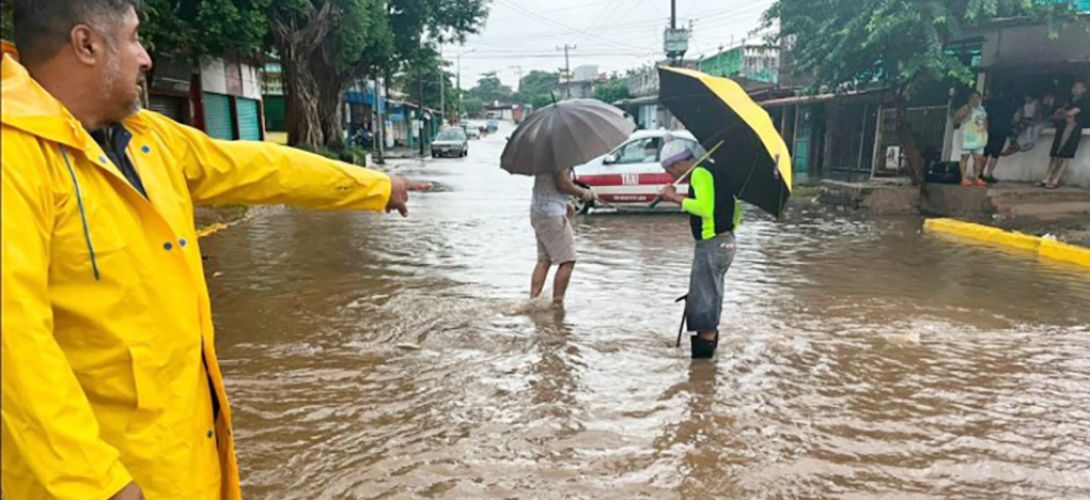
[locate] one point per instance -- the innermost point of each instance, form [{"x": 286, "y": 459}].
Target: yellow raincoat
[{"x": 108, "y": 353}]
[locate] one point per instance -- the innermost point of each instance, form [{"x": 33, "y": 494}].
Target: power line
[{"x": 565, "y": 27}]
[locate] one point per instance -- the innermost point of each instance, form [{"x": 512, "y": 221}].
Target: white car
[{"x": 630, "y": 177}]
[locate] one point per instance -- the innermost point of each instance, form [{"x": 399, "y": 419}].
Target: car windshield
[{"x": 450, "y": 135}]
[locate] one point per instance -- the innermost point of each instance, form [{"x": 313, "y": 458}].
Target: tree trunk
[
  {"x": 297, "y": 47},
  {"x": 907, "y": 137},
  {"x": 331, "y": 110},
  {"x": 302, "y": 117}
]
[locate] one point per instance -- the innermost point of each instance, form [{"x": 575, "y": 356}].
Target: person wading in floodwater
[
  {"x": 111, "y": 388},
  {"x": 713, "y": 216}
]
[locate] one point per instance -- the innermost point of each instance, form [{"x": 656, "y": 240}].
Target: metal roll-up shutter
[
  {"x": 177, "y": 108},
  {"x": 217, "y": 116},
  {"x": 249, "y": 121}
]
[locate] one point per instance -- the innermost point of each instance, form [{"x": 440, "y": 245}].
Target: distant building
[
  {"x": 584, "y": 79},
  {"x": 643, "y": 86},
  {"x": 754, "y": 62}
]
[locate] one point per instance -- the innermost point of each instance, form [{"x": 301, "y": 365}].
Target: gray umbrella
[{"x": 563, "y": 135}]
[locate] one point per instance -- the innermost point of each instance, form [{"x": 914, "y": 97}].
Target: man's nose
[{"x": 145, "y": 60}]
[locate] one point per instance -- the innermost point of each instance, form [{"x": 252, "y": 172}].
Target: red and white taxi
[{"x": 630, "y": 176}]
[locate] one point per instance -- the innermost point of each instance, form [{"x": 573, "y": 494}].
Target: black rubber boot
[{"x": 704, "y": 349}]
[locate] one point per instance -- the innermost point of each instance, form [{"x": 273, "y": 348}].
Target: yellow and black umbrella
[{"x": 752, "y": 155}]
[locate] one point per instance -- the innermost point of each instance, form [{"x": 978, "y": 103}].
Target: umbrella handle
[{"x": 658, "y": 199}]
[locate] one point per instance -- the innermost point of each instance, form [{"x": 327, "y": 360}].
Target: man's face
[
  {"x": 1078, "y": 89},
  {"x": 122, "y": 74},
  {"x": 974, "y": 99},
  {"x": 679, "y": 168}
]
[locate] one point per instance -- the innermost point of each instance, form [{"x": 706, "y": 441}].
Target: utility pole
[
  {"x": 378, "y": 132},
  {"x": 675, "y": 41},
  {"x": 442, "y": 91},
  {"x": 461, "y": 107},
  {"x": 567, "y": 68},
  {"x": 518, "y": 72},
  {"x": 420, "y": 106}
]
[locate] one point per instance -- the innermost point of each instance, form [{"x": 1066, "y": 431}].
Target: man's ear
[{"x": 86, "y": 44}]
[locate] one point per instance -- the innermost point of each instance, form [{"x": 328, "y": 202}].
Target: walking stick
[{"x": 684, "y": 316}]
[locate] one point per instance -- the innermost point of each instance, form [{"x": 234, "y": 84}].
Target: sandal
[
  {"x": 1051, "y": 186},
  {"x": 704, "y": 349}
]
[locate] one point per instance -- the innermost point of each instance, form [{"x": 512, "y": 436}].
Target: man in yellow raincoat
[{"x": 111, "y": 388}]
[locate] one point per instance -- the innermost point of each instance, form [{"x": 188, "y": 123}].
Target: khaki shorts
[{"x": 555, "y": 239}]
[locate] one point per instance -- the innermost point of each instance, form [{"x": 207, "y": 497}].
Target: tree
[
  {"x": 611, "y": 91},
  {"x": 537, "y": 83},
  {"x": 472, "y": 105},
  {"x": 489, "y": 88},
  {"x": 541, "y": 100},
  {"x": 326, "y": 45},
  {"x": 194, "y": 30},
  {"x": 6, "y": 25},
  {"x": 899, "y": 44},
  {"x": 425, "y": 74}
]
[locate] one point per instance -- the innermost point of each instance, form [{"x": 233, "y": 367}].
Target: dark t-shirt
[
  {"x": 1083, "y": 103},
  {"x": 1000, "y": 113}
]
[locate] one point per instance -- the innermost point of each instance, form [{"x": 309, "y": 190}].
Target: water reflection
[{"x": 372, "y": 356}]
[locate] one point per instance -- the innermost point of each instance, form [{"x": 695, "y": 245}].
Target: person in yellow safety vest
[{"x": 110, "y": 386}]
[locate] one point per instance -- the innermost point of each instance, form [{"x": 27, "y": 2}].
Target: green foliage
[
  {"x": 489, "y": 88},
  {"x": 6, "y": 24},
  {"x": 472, "y": 105},
  {"x": 611, "y": 91},
  {"x": 851, "y": 43},
  {"x": 538, "y": 82},
  {"x": 190, "y": 30},
  {"x": 541, "y": 100},
  {"x": 428, "y": 70}
]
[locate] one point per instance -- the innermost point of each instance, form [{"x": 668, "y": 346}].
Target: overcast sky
[{"x": 613, "y": 34}]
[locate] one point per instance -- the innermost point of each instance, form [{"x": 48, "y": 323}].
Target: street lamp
[{"x": 459, "y": 78}]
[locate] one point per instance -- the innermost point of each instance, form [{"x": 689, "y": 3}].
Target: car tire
[{"x": 582, "y": 207}]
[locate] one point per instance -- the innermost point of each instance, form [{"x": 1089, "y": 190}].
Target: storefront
[{"x": 1018, "y": 59}]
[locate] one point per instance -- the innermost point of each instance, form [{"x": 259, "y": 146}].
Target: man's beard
[{"x": 131, "y": 104}]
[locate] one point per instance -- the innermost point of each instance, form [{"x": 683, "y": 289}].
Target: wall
[
  {"x": 1031, "y": 165},
  {"x": 1033, "y": 45},
  {"x": 214, "y": 77}
]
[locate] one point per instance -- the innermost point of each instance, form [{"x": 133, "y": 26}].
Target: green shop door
[
  {"x": 249, "y": 121},
  {"x": 217, "y": 116}
]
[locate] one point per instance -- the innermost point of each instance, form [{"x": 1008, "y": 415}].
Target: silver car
[{"x": 450, "y": 142}]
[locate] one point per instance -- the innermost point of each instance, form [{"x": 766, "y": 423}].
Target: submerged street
[{"x": 376, "y": 356}]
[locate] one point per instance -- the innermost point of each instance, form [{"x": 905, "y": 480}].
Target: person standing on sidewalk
[
  {"x": 973, "y": 119},
  {"x": 1070, "y": 119},
  {"x": 1001, "y": 109},
  {"x": 110, "y": 384},
  {"x": 550, "y": 216},
  {"x": 713, "y": 215}
]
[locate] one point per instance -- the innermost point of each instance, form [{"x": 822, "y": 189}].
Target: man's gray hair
[{"x": 42, "y": 27}]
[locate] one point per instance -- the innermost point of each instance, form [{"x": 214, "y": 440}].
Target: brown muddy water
[{"x": 369, "y": 356}]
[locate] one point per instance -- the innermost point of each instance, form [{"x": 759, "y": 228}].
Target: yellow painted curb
[
  {"x": 210, "y": 229},
  {"x": 1049, "y": 249}
]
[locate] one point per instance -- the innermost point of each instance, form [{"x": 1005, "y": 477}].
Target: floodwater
[{"x": 369, "y": 356}]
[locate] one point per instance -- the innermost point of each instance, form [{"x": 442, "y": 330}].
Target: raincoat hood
[{"x": 32, "y": 109}]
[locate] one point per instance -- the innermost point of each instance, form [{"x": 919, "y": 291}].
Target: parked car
[
  {"x": 472, "y": 131},
  {"x": 630, "y": 177},
  {"x": 493, "y": 125},
  {"x": 450, "y": 141}
]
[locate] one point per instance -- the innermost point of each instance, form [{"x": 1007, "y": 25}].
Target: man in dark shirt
[
  {"x": 1070, "y": 119},
  {"x": 1001, "y": 108}
]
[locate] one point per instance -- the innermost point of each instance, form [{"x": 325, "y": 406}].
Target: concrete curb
[{"x": 1046, "y": 248}]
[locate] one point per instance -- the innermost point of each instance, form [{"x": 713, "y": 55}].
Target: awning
[
  {"x": 810, "y": 99},
  {"x": 638, "y": 101}
]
